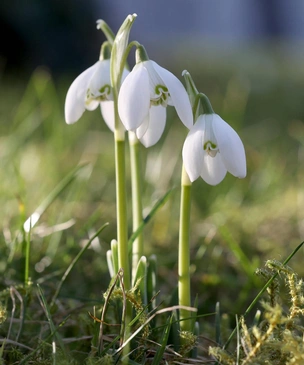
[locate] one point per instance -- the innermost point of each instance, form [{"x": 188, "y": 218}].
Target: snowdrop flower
[
  {"x": 91, "y": 89},
  {"x": 211, "y": 149},
  {"x": 144, "y": 96}
]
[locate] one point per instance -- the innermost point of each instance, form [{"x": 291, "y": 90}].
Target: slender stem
[
  {"x": 27, "y": 236},
  {"x": 207, "y": 107},
  {"x": 121, "y": 206},
  {"x": 137, "y": 248},
  {"x": 122, "y": 221},
  {"x": 184, "y": 295}
]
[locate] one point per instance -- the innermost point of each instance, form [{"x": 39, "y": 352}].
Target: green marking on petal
[
  {"x": 103, "y": 94},
  {"x": 211, "y": 148},
  {"x": 209, "y": 144},
  {"x": 105, "y": 90},
  {"x": 160, "y": 89},
  {"x": 161, "y": 96}
]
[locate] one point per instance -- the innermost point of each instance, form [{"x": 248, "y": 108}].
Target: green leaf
[
  {"x": 53, "y": 195},
  {"x": 151, "y": 280},
  {"x": 141, "y": 275},
  {"x": 73, "y": 263},
  {"x": 51, "y": 323},
  {"x": 217, "y": 323},
  {"x": 158, "y": 205},
  {"x": 159, "y": 354}
]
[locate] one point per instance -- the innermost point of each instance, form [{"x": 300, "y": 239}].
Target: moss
[{"x": 278, "y": 338}]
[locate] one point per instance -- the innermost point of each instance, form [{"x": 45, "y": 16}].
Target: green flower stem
[
  {"x": 122, "y": 221},
  {"x": 199, "y": 101},
  {"x": 121, "y": 193},
  {"x": 137, "y": 250},
  {"x": 184, "y": 295},
  {"x": 121, "y": 206},
  {"x": 120, "y": 51},
  {"x": 207, "y": 107}
]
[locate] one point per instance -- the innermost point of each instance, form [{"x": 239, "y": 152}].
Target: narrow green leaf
[
  {"x": 51, "y": 323},
  {"x": 158, "y": 205},
  {"x": 73, "y": 263},
  {"x": 194, "y": 317},
  {"x": 217, "y": 323},
  {"x": 238, "y": 340},
  {"x": 159, "y": 354},
  {"x": 141, "y": 274},
  {"x": 63, "y": 184},
  {"x": 174, "y": 336},
  {"x": 238, "y": 253},
  {"x": 42, "y": 343},
  {"x": 136, "y": 318},
  {"x": 196, "y": 332},
  {"x": 110, "y": 263},
  {"x": 151, "y": 280},
  {"x": 114, "y": 249}
]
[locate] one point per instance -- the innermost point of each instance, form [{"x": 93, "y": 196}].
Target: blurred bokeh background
[{"x": 246, "y": 55}]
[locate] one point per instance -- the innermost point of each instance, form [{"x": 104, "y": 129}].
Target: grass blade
[
  {"x": 217, "y": 323},
  {"x": 159, "y": 354},
  {"x": 247, "y": 265},
  {"x": 158, "y": 205},
  {"x": 141, "y": 276},
  {"x": 51, "y": 323},
  {"x": 25, "y": 360},
  {"x": 151, "y": 280},
  {"x": 63, "y": 184},
  {"x": 73, "y": 263}
]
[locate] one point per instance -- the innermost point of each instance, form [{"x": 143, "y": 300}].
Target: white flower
[
  {"x": 144, "y": 96},
  {"x": 211, "y": 149},
  {"x": 90, "y": 89}
]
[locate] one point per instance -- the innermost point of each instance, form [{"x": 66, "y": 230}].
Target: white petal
[
  {"x": 142, "y": 129},
  {"x": 156, "y": 126},
  {"x": 178, "y": 94},
  {"x": 230, "y": 146},
  {"x": 92, "y": 105},
  {"x": 100, "y": 77},
  {"x": 214, "y": 170},
  {"x": 75, "y": 99},
  {"x": 107, "y": 111},
  {"x": 193, "y": 152},
  {"x": 134, "y": 98}
]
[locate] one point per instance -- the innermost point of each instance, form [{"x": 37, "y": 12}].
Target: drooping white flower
[
  {"x": 144, "y": 96},
  {"x": 89, "y": 90},
  {"x": 211, "y": 149}
]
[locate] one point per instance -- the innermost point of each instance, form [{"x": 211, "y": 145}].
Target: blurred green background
[{"x": 255, "y": 81}]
